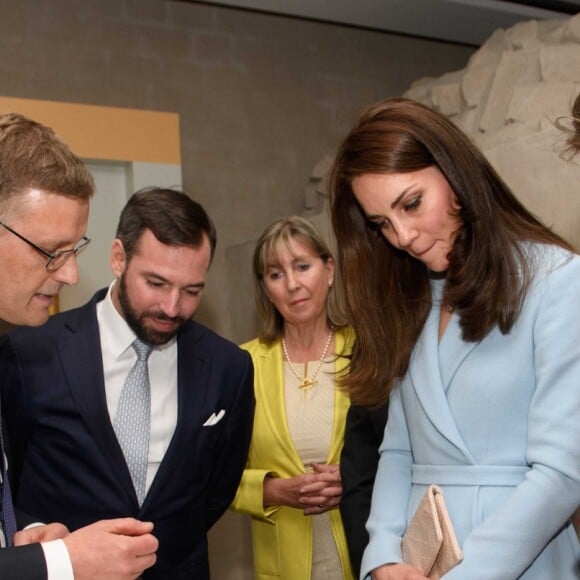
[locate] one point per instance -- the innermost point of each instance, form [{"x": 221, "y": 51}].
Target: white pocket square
[{"x": 214, "y": 418}]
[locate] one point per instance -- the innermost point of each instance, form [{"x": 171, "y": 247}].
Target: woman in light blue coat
[{"x": 467, "y": 312}]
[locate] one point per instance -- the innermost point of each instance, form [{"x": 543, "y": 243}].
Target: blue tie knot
[{"x": 142, "y": 349}]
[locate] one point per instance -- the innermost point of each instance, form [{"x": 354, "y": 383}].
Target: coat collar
[
  {"x": 431, "y": 380},
  {"x": 79, "y": 349}
]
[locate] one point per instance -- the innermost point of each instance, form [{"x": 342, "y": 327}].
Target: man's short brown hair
[{"x": 33, "y": 156}]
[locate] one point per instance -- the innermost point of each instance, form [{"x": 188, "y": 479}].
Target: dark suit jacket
[
  {"x": 26, "y": 562},
  {"x": 22, "y": 563},
  {"x": 358, "y": 467},
  {"x": 68, "y": 464}
]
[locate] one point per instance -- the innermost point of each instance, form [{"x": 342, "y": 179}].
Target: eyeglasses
[{"x": 55, "y": 259}]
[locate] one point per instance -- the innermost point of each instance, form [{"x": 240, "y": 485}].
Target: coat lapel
[
  {"x": 425, "y": 376},
  {"x": 452, "y": 351},
  {"x": 271, "y": 400},
  {"x": 80, "y": 354}
]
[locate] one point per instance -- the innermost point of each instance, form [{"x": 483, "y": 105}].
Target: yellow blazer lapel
[{"x": 270, "y": 395}]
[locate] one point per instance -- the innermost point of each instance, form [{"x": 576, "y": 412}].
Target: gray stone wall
[{"x": 508, "y": 99}]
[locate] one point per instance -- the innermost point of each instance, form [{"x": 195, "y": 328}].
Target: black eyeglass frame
[{"x": 55, "y": 259}]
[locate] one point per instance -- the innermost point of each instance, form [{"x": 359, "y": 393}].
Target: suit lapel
[
  {"x": 192, "y": 369},
  {"x": 80, "y": 354}
]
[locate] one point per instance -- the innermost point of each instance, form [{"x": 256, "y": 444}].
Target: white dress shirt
[{"x": 118, "y": 358}]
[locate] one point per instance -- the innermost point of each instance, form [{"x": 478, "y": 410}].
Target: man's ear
[{"x": 118, "y": 258}]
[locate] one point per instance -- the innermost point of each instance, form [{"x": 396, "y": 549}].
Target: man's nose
[
  {"x": 171, "y": 304},
  {"x": 68, "y": 273}
]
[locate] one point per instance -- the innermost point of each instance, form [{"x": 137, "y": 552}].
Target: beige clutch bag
[{"x": 430, "y": 543}]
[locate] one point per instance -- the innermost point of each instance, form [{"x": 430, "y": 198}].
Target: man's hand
[
  {"x": 112, "y": 549},
  {"x": 42, "y": 533}
]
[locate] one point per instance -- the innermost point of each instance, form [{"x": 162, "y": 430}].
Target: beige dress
[{"x": 310, "y": 416}]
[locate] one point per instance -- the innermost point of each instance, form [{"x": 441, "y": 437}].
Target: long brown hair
[
  {"x": 571, "y": 125},
  {"x": 387, "y": 291}
]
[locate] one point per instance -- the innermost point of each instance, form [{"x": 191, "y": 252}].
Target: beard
[{"x": 138, "y": 322}]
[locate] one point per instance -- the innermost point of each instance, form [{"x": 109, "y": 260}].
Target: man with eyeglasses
[
  {"x": 54, "y": 266},
  {"x": 55, "y": 259},
  {"x": 44, "y": 205}
]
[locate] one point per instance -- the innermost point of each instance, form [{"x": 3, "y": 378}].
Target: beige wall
[{"x": 260, "y": 100}]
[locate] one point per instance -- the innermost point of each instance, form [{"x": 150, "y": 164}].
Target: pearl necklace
[{"x": 306, "y": 382}]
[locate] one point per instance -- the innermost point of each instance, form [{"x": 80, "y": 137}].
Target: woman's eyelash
[
  {"x": 414, "y": 203},
  {"x": 378, "y": 226}
]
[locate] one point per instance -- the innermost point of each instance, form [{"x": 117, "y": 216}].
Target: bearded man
[{"x": 126, "y": 406}]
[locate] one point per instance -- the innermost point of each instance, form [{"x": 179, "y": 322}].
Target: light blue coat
[{"x": 497, "y": 425}]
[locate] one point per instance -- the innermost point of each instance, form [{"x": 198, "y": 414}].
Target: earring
[{"x": 330, "y": 282}]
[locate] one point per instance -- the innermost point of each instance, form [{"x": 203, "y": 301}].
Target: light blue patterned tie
[{"x": 133, "y": 419}]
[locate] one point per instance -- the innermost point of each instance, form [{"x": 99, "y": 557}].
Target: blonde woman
[{"x": 291, "y": 486}]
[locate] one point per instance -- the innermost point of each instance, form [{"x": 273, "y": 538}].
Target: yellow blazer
[{"x": 282, "y": 536}]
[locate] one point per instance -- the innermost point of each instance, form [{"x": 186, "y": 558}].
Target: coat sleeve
[
  {"x": 387, "y": 519},
  {"x": 511, "y": 538},
  {"x": 358, "y": 467},
  {"x": 250, "y": 495},
  {"x": 229, "y": 463},
  {"x": 23, "y": 563},
  {"x": 14, "y": 415}
]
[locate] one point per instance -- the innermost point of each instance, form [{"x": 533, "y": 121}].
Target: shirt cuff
[{"x": 58, "y": 562}]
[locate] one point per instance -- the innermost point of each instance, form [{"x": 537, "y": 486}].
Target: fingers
[
  {"x": 322, "y": 488},
  {"x": 319, "y": 481},
  {"x": 25, "y": 537},
  {"x": 323, "y": 493},
  {"x": 145, "y": 562},
  {"x": 40, "y": 533},
  {"x": 330, "y": 470},
  {"x": 304, "y": 490},
  {"x": 325, "y": 506},
  {"x": 120, "y": 548},
  {"x": 125, "y": 526},
  {"x": 144, "y": 545},
  {"x": 324, "y": 468}
]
